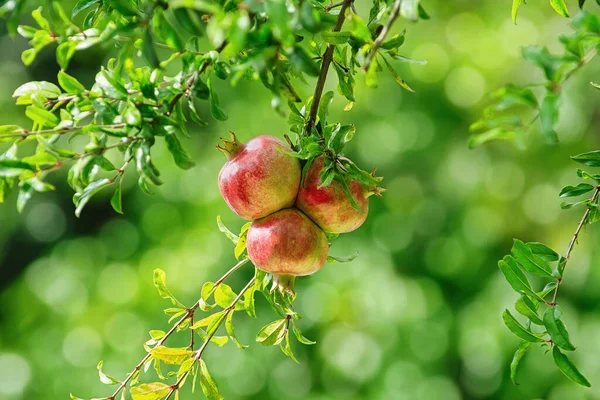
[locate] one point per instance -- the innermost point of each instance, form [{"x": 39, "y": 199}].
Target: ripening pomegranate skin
[
  {"x": 329, "y": 207},
  {"x": 258, "y": 179},
  {"x": 287, "y": 244}
]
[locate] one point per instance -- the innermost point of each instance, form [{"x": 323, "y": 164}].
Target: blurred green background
[{"x": 416, "y": 316}]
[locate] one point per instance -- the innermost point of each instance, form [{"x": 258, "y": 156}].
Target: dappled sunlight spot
[
  {"x": 512, "y": 38},
  {"x": 118, "y": 283},
  {"x": 319, "y": 302},
  {"x": 82, "y": 347},
  {"x": 465, "y": 86},
  {"x": 376, "y": 301},
  {"x": 199, "y": 185},
  {"x": 402, "y": 378},
  {"x": 290, "y": 380},
  {"x": 445, "y": 256},
  {"x": 45, "y": 222},
  {"x": 431, "y": 213},
  {"x": 356, "y": 354},
  {"x": 156, "y": 257},
  {"x": 382, "y": 144},
  {"x": 482, "y": 226},
  {"x": 480, "y": 350},
  {"x": 462, "y": 170},
  {"x": 161, "y": 222},
  {"x": 411, "y": 302},
  {"x": 387, "y": 234},
  {"x": 10, "y": 72},
  {"x": 464, "y": 31},
  {"x": 569, "y": 391},
  {"x": 84, "y": 253},
  {"x": 121, "y": 238},
  {"x": 505, "y": 181},
  {"x": 403, "y": 194},
  {"x": 14, "y": 374},
  {"x": 250, "y": 379},
  {"x": 572, "y": 121},
  {"x": 437, "y": 65},
  {"x": 123, "y": 329},
  {"x": 429, "y": 340},
  {"x": 480, "y": 386},
  {"x": 57, "y": 286},
  {"x": 438, "y": 388},
  {"x": 541, "y": 203},
  {"x": 424, "y": 132}
]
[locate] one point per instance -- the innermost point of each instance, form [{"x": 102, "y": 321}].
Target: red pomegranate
[
  {"x": 329, "y": 207},
  {"x": 258, "y": 178},
  {"x": 287, "y": 244}
]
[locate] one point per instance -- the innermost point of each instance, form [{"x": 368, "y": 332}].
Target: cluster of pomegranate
[{"x": 261, "y": 182}]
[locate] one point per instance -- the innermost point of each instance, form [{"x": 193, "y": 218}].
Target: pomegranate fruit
[
  {"x": 287, "y": 244},
  {"x": 329, "y": 207},
  {"x": 258, "y": 179}
]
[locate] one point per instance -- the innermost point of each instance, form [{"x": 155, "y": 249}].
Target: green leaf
[
  {"x": 149, "y": 51},
  {"x": 272, "y": 334},
  {"x": 530, "y": 262},
  {"x": 493, "y": 134},
  {"x": 335, "y": 37},
  {"x": 300, "y": 336},
  {"x": 41, "y": 116},
  {"x": 199, "y": 5},
  {"x": 231, "y": 332},
  {"x": 150, "y": 391},
  {"x": 514, "y": 364},
  {"x": 568, "y": 368},
  {"x": 81, "y": 199},
  {"x": 172, "y": 356},
  {"x": 110, "y": 85},
  {"x": 528, "y": 308},
  {"x": 181, "y": 157},
  {"x": 549, "y": 117},
  {"x": 230, "y": 235},
  {"x": 397, "y": 78},
  {"x": 116, "y": 201},
  {"x": 9, "y": 168},
  {"x": 240, "y": 246},
  {"x": 249, "y": 299},
  {"x": 209, "y": 386},
  {"x": 591, "y": 159},
  {"x": 557, "y": 329},
  {"x": 225, "y": 296},
  {"x": 106, "y": 379},
  {"x": 300, "y": 59},
  {"x": 394, "y": 42},
  {"x": 46, "y": 89},
  {"x": 515, "y": 9},
  {"x": 543, "y": 251},
  {"x": 560, "y": 7},
  {"x": 574, "y": 191},
  {"x": 131, "y": 115},
  {"x": 515, "y": 327},
  {"x": 25, "y": 193},
  {"x": 160, "y": 283},
  {"x": 410, "y": 10},
  {"x": 83, "y": 5},
  {"x": 346, "y": 259},
  {"x": 212, "y": 320},
  {"x": 215, "y": 108},
  {"x": 515, "y": 277},
  {"x": 286, "y": 348},
  {"x": 70, "y": 84}
]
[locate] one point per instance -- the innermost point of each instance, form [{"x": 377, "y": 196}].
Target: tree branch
[
  {"x": 198, "y": 355},
  {"x": 386, "y": 29},
  {"x": 327, "y": 58},
  {"x": 190, "y": 311},
  {"x": 582, "y": 222}
]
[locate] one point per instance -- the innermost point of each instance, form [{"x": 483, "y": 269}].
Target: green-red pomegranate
[
  {"x": 258, "y": 178},
  {"x": 329, "y": 207},
  {"x": 287, "y": 244}
]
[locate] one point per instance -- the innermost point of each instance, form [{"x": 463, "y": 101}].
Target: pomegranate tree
[
  {"x": 330, "y": 206},
  {"x": 259, "y": 177},
  {"x": 287, "y": 244}
]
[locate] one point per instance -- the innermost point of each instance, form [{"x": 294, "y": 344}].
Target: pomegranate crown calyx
[{"x": 230, "y": 147}]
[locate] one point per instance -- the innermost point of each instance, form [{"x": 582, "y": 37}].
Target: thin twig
[
  {"x": 200, "y": 351},
  {"x": 379, "y": 41},
  {"x": 187, "y": 315},
  {"x": 582, "y": 222},
  {"x": 327, "y": 57}
]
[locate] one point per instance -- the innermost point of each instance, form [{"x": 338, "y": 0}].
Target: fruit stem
[{"x": 230, "y": 147}]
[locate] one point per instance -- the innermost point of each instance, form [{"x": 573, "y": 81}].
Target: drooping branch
[
  {"x": 580, "y": 226},
  {"x": 382, "y": 35},
  {"x": 189, "y": 314},
  {"x": 200, "y": 351},
  {"x": 327, "y": 58}
]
